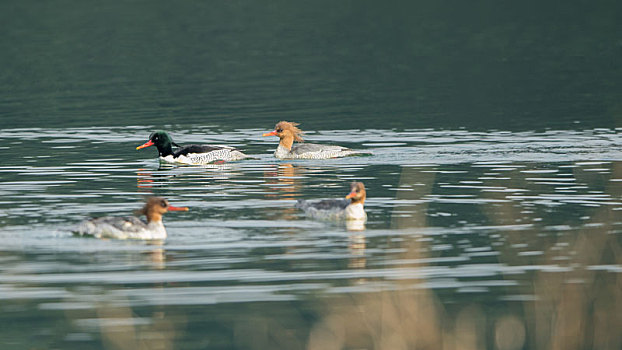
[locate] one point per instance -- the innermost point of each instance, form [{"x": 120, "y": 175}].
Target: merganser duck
[
  {"x": 288, "y": 133},
  {"x": 191, "y": 154},
  {"x": 350, "y": 208},
  {"x": 130, "y": 227}
]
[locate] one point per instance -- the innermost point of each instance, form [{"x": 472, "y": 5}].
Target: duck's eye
[
  {"x": 279, "y": 130},
  {"x": 163, "y": 204}
]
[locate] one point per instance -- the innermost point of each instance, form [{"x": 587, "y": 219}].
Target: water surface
[{"x": 478, "y": 228}]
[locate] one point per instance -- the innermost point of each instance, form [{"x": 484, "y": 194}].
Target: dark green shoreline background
[{"x": 373, "y": 64}]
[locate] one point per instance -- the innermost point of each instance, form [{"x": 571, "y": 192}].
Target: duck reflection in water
[
  {"x": 157, "y": 255},
  {"x": 147, "y": 179},
  {"x": 285, "y": 181},
  {"x": 356, "y": 248}
]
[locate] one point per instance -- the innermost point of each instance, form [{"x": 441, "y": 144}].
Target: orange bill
[
  {"x": 146, "y": 144},
  {"x": 172, "y": 208},
  {"x": 272, "y": 133}
]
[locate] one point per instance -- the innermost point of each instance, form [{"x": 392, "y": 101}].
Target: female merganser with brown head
[
  {"x": 130, "y": 227},
  {"x": 350, "y": 208},
  {"x": 288, "y": 133},
  {"x": 191, "y": 154}
]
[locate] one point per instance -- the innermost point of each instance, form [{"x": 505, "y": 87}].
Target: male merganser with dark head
[
  {"x": 350, "y": 208},
  {"x": 288, "y": 133},
  {"x": 130, "y": 227},
  {"x": 191, "y": 154}
]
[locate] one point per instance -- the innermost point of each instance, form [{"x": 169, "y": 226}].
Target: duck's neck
[
  {"x": 287, "y": 141},
  {"x": 360, "y": 201},
  {"x": 155, "y": 218},
  {"x": 165, "y": 149}
]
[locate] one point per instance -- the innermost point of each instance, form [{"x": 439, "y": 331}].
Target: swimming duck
[
  {"x": 130, "y": 227},
  {"x": 190, "y": 154},
  {"x": 350, "y": 208},
  {"x": 288, "y": 132}
]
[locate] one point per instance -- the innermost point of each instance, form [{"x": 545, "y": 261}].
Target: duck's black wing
[{"x": 197, "y": 149}]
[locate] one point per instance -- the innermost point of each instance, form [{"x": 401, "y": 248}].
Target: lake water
[{"x": 494, "y": 190}]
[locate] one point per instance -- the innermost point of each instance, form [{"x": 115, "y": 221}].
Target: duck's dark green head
[{"x": 162, "y": 141}]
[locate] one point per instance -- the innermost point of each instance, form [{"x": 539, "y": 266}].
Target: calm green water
[{"x": 495, "y": 188}]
